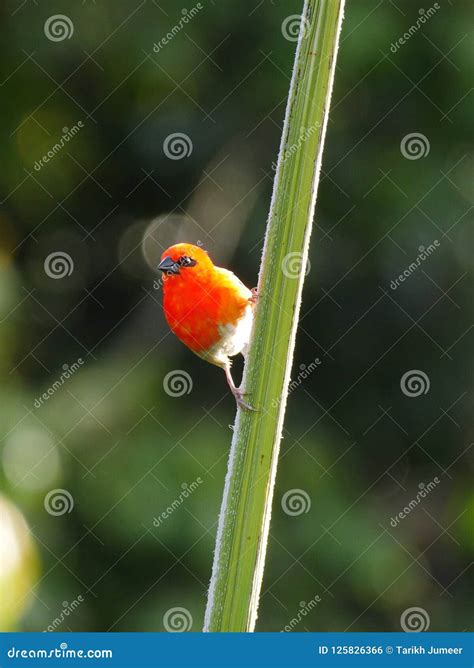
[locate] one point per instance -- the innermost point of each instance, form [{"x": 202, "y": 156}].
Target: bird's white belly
[
  {"x": 234, "y": 340},
  {"x": 235, "y": 337}
]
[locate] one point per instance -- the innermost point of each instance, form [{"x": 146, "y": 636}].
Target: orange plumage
[{"x": 208, "y": 308}]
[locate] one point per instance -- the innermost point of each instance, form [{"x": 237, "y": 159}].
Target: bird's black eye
[{"x": 186, "y": 261}]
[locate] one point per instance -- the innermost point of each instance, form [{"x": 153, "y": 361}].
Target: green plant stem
[{"x": 245, "y": 513}]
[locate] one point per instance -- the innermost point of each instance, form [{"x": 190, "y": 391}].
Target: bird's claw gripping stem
[
  {"x": 237, "y": 392},
  {"x": 240, "y": 402},
  {"x": 254, "y": 298}
]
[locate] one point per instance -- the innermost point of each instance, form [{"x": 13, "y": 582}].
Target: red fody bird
[{"x": 208, "y": 308}]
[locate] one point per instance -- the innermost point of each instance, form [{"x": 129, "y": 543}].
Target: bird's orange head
[{"x": 182, "y": 258}]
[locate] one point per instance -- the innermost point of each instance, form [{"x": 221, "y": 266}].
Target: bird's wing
[{"x": 234, "y": 282}]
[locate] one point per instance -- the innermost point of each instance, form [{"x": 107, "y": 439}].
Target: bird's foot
[
  {"x": 254, "y": 298},
  {"x": 236, "y": 391},
  {"x": 238, "y": 394}
]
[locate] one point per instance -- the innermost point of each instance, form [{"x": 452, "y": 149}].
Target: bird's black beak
[{"x": 168, "y": 266}]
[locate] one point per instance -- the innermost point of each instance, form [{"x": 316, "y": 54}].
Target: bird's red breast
[{"x": 204, "y": 304}]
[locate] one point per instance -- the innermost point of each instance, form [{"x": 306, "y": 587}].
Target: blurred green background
[{"x": 109, "y": 437}]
